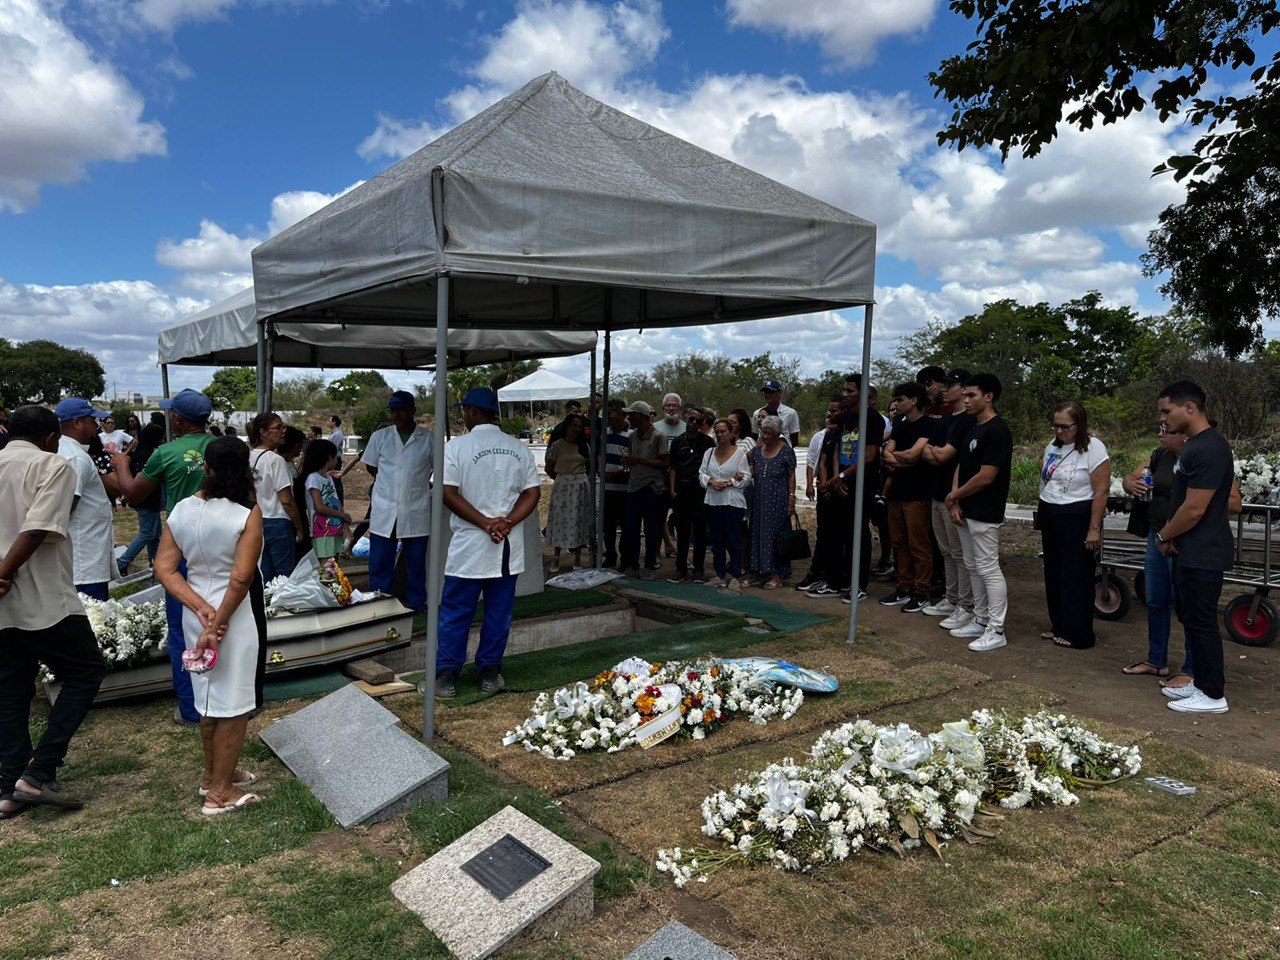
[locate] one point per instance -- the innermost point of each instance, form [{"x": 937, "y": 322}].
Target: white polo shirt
[
  {"x": 790, "y": 420},
  {"x": 92, "y": 539},
  {"x": 815, "y": 450},
  {"x": 490, "y": 470},
  {"x": 401, "y": 499}
]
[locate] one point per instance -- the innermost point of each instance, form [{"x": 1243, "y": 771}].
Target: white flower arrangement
[
  {"x": 1259, "y": 478},
  {"x": 128, "y": 634},
  {"x": 894, "y": 789},
  {"x": 609, "y": 712}
]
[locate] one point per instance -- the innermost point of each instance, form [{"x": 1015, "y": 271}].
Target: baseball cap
[
  {"x": 482, "y": 398},
  {"x": 770, "y": 386},
  {"x": 639, "y": 406},
  {"x": 402, "y": 400},
  {"x": 73, "y": 408},
  {"x": 958, "y": 375},
  {"x": 189, "y": 405}
]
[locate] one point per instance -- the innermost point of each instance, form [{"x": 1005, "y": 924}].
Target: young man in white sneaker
[
  {"x": 956, "y": 608},
  {"x": 1198, "y": 537},
  {"x": 976, "y": 504}
]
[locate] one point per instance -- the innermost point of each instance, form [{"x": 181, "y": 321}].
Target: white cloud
[
  {"x": 295, "y": 205},
  {"x": 214, "y": 250},
  {"x": 397, "y": 138},
  {"x": 847, "y": 30},
  {"x": 60, "y": 107},
  {"x": 167, "y": 15}
]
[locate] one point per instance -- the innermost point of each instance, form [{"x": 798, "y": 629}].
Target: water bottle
[{"x": 1148, "y": 482}]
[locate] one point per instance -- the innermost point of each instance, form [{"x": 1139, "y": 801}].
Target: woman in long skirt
[
  {"x": 773, "y": 469},
  {"x": 569, "y": 519}
]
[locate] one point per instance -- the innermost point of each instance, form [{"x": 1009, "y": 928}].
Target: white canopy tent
[
  {"x": 542, "y": 385},
  {"x": 227, "y": 334},
  {"x": 553, "y": 209}
]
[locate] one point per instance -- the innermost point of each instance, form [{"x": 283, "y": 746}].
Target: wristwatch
[{"x": 1160, "y": 538}]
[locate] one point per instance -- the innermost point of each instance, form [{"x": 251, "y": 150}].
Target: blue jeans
[
  {"x": 458, "y": 610},
  {"x": 148, "y": 536},
  {"x": 1157, "y": 579},
  {"x": 278, "y": 556},
  {"x": 177, "y": 646},
  {"x": 724, "y": 530},
  {"x": 94, "y": 591},
  {"x": 646, "y": 508},
  {"x": 382, "y": 565}
]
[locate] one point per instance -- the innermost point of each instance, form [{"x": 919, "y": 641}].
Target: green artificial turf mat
[
  {"x": 775, "y": 614},
  {"x": 307, "y": 685},
  {"x": 543, "y": 669},
  {"x": 542, "y": 604}
]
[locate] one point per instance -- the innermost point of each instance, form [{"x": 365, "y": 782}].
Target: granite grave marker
[
  {"x": 351, "y": 752},
  {"x": 675, "y": 941},
  {"x": 507, "y": 877}
]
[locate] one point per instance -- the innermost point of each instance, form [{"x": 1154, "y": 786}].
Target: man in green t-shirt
[{"x": 179, "y": 465}]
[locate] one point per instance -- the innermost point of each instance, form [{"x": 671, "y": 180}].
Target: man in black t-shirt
[
  {"x": 1198, "y": 537},
  {"x": 949, "y": 433},
  {"x": 688, "y": 498},
  {"x": 838, "y": 468},
  {"x": 908, "y": 496},
  {"x": 976, "y": 503}
]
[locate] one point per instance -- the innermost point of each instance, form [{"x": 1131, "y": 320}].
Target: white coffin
[{"x": 313, "y": 638}]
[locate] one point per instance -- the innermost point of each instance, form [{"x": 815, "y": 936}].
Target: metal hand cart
[{"x": 1250, "y": 618}]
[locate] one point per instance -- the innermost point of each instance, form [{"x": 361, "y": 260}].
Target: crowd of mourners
[{"x": 933, "y": 471}]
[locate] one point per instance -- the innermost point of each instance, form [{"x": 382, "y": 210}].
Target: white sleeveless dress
[{"x": 208, "y": 532}]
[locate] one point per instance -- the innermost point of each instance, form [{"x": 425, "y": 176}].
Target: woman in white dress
[
  {"x": 218, "y": 531},
  {"x": 571, "y": 515}
]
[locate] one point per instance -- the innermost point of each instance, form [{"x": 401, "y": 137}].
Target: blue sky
[{"x": 152, "y": 143}]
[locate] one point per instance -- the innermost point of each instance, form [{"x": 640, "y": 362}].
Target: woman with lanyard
[
  {"x": 1075, "y": 478},
  {"x": 281, "y": 522}
]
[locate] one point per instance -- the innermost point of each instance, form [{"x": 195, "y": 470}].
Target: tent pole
[
  {"x": 860, "y": 482},
  {"x": 435, "y": 561},
  {"x": 262, "y": 366},
  {"x": 269, "y": 387},
  {"x": 595, "y": 453},
  {"x": 164, "y": 388},
  {"x": 604, "y": 434}
]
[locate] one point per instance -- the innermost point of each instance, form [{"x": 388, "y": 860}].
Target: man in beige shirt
[{"x": 41, "y": 618}]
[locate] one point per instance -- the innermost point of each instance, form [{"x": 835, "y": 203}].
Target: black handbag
[{"x": 792, "y": 544}]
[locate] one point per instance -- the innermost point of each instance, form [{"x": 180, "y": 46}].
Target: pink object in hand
[{"x": 199, "y": 661}]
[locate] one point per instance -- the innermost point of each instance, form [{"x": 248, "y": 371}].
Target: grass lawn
[{"x": 1128, "y": 874}]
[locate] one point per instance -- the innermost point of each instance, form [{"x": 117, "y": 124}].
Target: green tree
[
  {"x": 1040, "y": 63},
  {"x": 233, "y": 388},
  {"x": 41, "y": 371},
  {"x": 348, "y": 391},
  {"x": 304, "y": 392}
]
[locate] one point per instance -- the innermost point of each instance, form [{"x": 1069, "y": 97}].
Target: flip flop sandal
[
  {"x": 51, "y": 795},
  {"x": 16, "y": 812},
  {"x": 245, "y": 800},
  {"x": 1046, "y": 635},
  {"x": 772, "y": 584},
  {"x": 1151, "y": 670},
  {"x": 1065, "y": 644},
  {"x": 249, "y": 780}
]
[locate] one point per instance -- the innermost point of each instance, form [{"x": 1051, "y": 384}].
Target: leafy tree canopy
[
  {"x": 233, "y": 388},
  {"x": 348, "y": 391},
  {"x": 1039, "y": 63},
  {"x": 41, "y": 371}
]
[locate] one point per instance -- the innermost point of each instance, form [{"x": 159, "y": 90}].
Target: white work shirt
[
  {"x": 790, "y": 420},
  {"x": 401, "y": 498},
  {"x": 490, "y": 470},
  {"x": 92, "y": 539},
  {"x": 815, "y": 451},
  {"x": 115, "y": 441}
]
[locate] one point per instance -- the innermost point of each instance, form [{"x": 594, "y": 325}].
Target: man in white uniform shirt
[
  {"x": 774, "y": 407},
  {"x": 399, "y": 459},
  {"x": 490, "y": 485},
  {"x": 93, "y": 541}
]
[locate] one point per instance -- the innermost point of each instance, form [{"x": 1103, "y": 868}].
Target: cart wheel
[
  {"x": 1260, "y": 633},
  {"x": 1111, "y": 597},
  {"x": 1140, "y": 587}
]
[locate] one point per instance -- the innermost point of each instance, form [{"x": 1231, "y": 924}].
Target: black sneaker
[
  {"x": 896, "y": 599},
  {"x": 847, "y": 597},
  {"x": 822, "y": 590},
  {"x": 915, "y": 605},
  {"x": 699, "y": 576},
  {"x": 808, "y": 581}
]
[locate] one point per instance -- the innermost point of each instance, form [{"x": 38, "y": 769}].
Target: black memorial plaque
[{"x": 505, "y": 866}]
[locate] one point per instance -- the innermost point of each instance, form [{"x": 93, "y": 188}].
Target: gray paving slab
[{"x": 675, "y": 941}]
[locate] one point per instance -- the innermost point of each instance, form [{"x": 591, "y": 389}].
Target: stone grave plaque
[
  {"x": 504, "y": 867},
  {"x": 675, "y": 941},
  {"x": 530, "y": 900},
  {"x": 351, "y": 752}
]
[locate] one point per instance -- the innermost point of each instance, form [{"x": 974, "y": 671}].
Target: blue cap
[
  {"x": 402, "y": 400},
  {"x": 73, "y": 408},
  {"x": 482, "y": 398},
  {"x": 770, "y": 386},
  {"x": 189, "y": 405}
]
